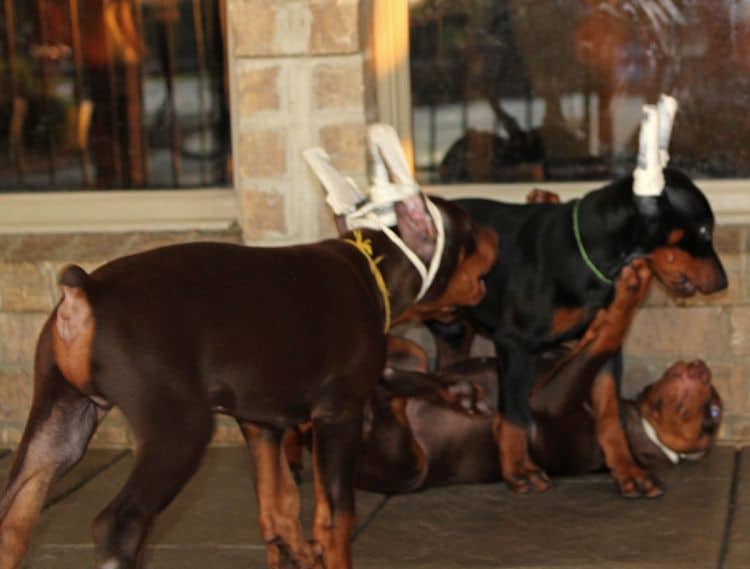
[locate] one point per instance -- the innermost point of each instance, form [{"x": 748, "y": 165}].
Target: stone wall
[{"x": 299, "y": 74}]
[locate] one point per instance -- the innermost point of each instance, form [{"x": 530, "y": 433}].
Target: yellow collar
[{"x": 364, "y": 246}]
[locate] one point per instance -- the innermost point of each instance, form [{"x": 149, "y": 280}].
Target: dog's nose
[
  {"x": 721, "y": 281},
  {"x": 698, "y": 370}
]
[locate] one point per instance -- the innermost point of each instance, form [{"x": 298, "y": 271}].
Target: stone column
[{"x": 298, "y": 73}]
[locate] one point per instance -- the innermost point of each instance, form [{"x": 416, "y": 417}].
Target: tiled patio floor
[{"x": 702, "y": 522}]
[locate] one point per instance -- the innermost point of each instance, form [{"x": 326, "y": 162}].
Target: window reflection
[
  {"x": 113, "y": 94},
  {"x": 512, "y": 90}
]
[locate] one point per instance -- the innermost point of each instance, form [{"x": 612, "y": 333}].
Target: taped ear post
[
  {"x": 342, "y": 194},
  {"x": 648, "y": 179}
]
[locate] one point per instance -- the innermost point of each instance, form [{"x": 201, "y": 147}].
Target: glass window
[
  {"x": 113, "y": 94},
  {"x": 514, "y": 90}
]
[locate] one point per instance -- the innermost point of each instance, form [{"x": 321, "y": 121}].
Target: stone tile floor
[{"x": 702, "y": 522}]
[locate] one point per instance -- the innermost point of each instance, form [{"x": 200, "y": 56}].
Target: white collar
[{"x": 673, "y": 456}]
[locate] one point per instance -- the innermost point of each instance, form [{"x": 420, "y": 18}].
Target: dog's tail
[
  {"x": 73, "y": 331},
  {"x": 74, "y": 276}
]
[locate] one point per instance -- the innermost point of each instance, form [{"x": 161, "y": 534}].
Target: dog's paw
[
  {"x": 634, "y": 482},
  {"x": 466, "y": 397},
  {"x": 527, "y": 480}
]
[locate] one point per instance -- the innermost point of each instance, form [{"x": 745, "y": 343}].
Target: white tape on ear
[
  {"x": 342, "y": 194},
  {"x": 648, "y": 179},
  {"x": 387, "y": 144},
  {"x": 667, "y": 110}
]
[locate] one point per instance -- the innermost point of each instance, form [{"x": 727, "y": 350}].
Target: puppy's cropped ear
[
  {"x": 416, "y": 226},
  {"x": 392, "y": 174}
]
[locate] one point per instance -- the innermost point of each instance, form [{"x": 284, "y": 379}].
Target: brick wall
[{"x": 299, "y": 70}]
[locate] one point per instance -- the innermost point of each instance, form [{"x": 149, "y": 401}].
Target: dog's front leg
[
  {"x": 59, "y": 428},
  {"x": 516, "y": 369},
  {"x": 336, "y": 445},
  {"x": 631, "y": 479},
  {"x": 278, "y": 500}
]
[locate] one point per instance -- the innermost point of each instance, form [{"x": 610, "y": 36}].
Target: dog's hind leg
[
  {"x": 278, "y": 500},
  {"x": 60, "y": 425},
  {"x": 173, "y": 430},
  {"x": 335, "y": 451}
]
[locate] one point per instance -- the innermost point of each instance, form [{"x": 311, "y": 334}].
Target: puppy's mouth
[{"x": 683, "y": 287}]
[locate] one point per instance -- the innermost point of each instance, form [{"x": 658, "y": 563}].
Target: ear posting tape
[
  {"x": 392, "y": 182},
  {"x": 653, "y": 146},
  {"x": 667, "y": 110},
  {"x": 342, "y": 194}
]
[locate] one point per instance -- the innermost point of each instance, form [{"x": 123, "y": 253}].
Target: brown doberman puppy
[
  {"x": 420, "y": 431},
  {"x": 270, "y": 336}
]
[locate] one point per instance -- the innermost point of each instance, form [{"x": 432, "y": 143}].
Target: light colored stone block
[
  {"x": 18, "y": 336},
  {"x": 266, "y": 214},
  {"x": 262, "y": 153},
  {"x": 17, "y": 390},
  {"x": 335, "y": 27},
  {"x": 253, "y": 23},
  {"x": 24, "y": 287},
  {"x": 346, "y": 145},
  {"x": 258, "y": 89},
  {"x": 338, "y": 85},
  {"x": 740, "y": 339}
]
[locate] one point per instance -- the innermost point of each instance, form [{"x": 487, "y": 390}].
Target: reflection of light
[{"x": 391, "y": 30}]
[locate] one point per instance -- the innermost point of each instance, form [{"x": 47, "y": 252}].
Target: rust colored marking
[
  {"x": 278, "y": 498},
  {"x": 675, "y": 236},
  {"x": 538, "y": 195},
  {"x": 672, "y": 266},
  {"x": 16, "y": 526},
  {"x": 607, "y": 331},
  {"x": 631, "y": 478},
  {"x": 609, "y": 431},
  {"x": 72, "y": 336},
  {"x": 565, "y": 318}
]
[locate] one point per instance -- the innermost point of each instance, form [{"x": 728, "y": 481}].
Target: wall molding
[{"x": 114, "y": 211}]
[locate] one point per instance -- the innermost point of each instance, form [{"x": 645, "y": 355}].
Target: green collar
[{"x": 586, "y": 259}]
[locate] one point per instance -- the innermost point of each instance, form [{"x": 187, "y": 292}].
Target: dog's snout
[
  {"x": 699, "y": 371},
  {"x": 721, "y": 281}
]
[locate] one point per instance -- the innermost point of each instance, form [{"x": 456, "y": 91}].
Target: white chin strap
[
  {"x": 673, "y": 456},
  {"x": 368, "y": 217}
]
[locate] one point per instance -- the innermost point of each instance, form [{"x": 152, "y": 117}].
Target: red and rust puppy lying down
[
  {"x": 271, "y": 336},
  {"x": 426, "y": 430}
]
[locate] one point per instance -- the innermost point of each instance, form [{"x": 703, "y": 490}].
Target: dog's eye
[
  {"x": 705, "y": 232},
  {"x": 715, "y": 412}
]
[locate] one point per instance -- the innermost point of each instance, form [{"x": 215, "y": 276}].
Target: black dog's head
[{"x": 678, "y": 227}]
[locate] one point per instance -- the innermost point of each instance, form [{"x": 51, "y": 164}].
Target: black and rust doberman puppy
[
  {"x": 426, "y": 430},
  {"x": 555, "y": 269},
  {"x": 270, "y": 336}
]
